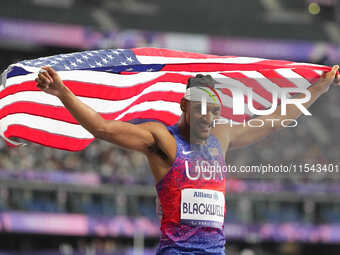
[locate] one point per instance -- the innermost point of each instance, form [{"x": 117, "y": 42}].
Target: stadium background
[{"x": 102, "y": 201}]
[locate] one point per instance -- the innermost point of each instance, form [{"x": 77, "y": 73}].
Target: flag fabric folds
[{"x": 130, "y": 85}]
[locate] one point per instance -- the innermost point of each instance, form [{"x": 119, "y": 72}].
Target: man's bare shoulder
[
  {"x": 160, "y": 132},
  {"x": 154, "y": 127},
  {"x": 165, "y": 142}
]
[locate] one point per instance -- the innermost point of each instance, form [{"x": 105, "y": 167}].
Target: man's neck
[{"x": 184, "y": 130}]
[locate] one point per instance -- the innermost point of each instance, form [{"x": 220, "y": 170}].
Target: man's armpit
[{"x": 154, "y": 149}]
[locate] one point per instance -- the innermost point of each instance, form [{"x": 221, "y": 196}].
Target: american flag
[{"x": 130, "y": 85}]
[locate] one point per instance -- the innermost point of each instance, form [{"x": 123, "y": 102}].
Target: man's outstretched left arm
[{"x": 243, "y": 135}]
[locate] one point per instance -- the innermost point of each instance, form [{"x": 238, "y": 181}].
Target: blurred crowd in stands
[{"x": 113, "y": 164}]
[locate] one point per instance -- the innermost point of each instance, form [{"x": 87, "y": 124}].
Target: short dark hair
[{"x": 201, "y": 80}]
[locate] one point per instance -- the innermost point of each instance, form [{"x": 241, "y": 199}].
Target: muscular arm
[
  {"x": 240, "y": 136},
  {"x": 127, "y": 135}
]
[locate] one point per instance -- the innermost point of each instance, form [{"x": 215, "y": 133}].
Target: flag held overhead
[{"x": 129, "y": 85}]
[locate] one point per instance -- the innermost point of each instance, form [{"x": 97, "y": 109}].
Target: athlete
[{"x": 192, "y": 200}]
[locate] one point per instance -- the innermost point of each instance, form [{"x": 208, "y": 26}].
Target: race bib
[{"x": 202, "y": 207}]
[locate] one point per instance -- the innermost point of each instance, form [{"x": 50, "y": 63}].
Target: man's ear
[{"x": 183, "y": 104}]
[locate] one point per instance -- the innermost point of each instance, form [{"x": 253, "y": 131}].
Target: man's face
[{"x": 201, "y": 125}]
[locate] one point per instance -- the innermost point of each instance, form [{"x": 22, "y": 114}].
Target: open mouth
[{"x": 204, "y": 127}]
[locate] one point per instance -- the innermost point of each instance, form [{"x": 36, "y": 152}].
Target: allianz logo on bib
[
  {"x": 205, "y": 195},
  {"x": 202, "y": 194}
]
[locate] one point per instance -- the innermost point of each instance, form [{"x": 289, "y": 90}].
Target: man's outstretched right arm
[{"x": 130, "y": 136}]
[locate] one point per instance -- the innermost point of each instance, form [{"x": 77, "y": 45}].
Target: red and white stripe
[{"x": 30, "y": 114}]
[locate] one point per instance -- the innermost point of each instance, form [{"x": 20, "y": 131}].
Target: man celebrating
[{"x": 192, "y": 200}]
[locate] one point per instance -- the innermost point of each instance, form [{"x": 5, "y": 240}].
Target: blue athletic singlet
[{"x": 192, "y": 199}]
